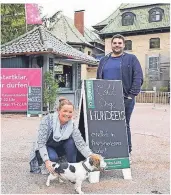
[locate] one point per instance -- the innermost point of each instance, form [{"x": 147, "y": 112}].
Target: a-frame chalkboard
[
  {"x": 34, "y": 101},
  {"x": 104, "y": 121}
]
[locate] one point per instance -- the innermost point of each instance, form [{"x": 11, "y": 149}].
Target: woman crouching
[{"x": 57, "y": 136}]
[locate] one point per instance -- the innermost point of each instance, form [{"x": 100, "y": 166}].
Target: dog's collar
[{"x": 85, "y": 167}]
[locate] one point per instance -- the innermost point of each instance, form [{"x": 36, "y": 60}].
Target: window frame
[
  {"x": 125, "y": 45},
  {"x": 62, "y": 76},
  {"x": 130, "y": 21},
  {"x": 154, "y": 72},
  {"x": 156, "y": 9},
  {"x": 150, "y": 43}
]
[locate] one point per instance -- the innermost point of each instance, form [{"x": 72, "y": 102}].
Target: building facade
[
  {"x": 74, "y": 33},
  {"x": 39, "y": 48},
  {"x": 146, "y": 28}
]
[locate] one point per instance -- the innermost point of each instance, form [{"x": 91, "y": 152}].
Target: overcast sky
[{"x": 95, "y": 10}]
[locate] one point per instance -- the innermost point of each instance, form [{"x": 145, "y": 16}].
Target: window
[
  {"x": 128, "y": 45},
  {"x": 154, "y": 43},
  {"x": 127, "y": 19},
  {"x": 155, "y": 14},
  {"x": 63, "y": 75},
  {"x": 89, "y": 53},
  {"x": 153, "y": 63},
  {"x": 153, "y": 68}
]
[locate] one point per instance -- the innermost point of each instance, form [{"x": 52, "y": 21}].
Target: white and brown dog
[{"x": 77, "y": 172}]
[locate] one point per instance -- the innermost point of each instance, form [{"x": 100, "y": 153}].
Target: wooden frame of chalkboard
[
  {"x": 104, "y": 121},
  {"x": 34, "y": 100}
]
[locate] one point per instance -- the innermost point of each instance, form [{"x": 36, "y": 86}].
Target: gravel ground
[{"x": 150, "y": 167}]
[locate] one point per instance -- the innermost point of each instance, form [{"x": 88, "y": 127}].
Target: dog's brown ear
[
  {"x": 95, "y": 160},
  {"x": 97, "y": 163}
]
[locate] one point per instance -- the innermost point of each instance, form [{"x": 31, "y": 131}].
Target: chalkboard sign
[
  {"x": 104, "y": 121},
  {"x": 34, "y": 100}
]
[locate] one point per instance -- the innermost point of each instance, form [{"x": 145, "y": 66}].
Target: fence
[{"x": 154, "y": 97}]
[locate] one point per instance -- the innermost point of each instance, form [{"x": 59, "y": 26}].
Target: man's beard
[{"x": 117, "y": 52}]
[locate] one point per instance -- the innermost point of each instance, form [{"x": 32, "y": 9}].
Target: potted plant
[{"x": 50, "y": 90}]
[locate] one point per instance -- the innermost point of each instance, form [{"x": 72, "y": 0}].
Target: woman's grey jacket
[{"x": 44, "y": 131}]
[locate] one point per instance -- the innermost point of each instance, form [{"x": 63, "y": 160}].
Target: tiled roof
[
  {"x": 131, "y": 5},
  {"x": 64, "y": 28},
  {"x": 141, "y": 21},
  {"x": 91, "y": 36},
  {"x": 41, "y": 40}
]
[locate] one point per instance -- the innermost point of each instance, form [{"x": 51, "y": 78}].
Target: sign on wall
[
  {"x": 14, "y": 87},
  {"x": 34, "y": 100},
  {"x": 58, "y": 69},
  {"x": 51, "y": 64}
]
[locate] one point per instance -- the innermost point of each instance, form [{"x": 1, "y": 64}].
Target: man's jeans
[
  {"x": 67, "y": 148},
  {"x": 129, "y": 106}
]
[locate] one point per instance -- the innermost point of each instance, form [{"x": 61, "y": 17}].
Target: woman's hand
[{"x": 49, "y": 167}]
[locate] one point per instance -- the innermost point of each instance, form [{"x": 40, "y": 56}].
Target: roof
[
  {"x": 131, "y": 5},
  {"x": 40, "y": 40},
  {"x": 64, "y": 28},
  {"x": 91, "y": 36},
  {"x": 141, "y": 20}
]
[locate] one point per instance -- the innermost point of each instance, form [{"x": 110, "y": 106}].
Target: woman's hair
[{"x": 64, "y": 101}]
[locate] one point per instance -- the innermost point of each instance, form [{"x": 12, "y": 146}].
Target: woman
[{"x": 57, "y": 136}]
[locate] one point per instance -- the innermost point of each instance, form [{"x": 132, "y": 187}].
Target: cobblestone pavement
[{"x": 150, "y": 166}]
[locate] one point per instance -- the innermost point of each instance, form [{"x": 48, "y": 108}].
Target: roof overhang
[
  {"x": 137, "y": 32},
  {"x": 82, "y": 44},
  {"x": 68, "y": 58},
  {"x": 97, "y": 27},
  {"x": 79, "y": 61}
]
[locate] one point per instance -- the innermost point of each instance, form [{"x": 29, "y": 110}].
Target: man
[{"x": 119, "y": 65}]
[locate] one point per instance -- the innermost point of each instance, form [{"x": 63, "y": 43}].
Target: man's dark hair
[{"x": 119, "y": 37}]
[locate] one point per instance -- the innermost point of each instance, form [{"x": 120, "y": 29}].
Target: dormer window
[
  {"x": 155, "y": 14},
  {"x": 127, "y": 19}
]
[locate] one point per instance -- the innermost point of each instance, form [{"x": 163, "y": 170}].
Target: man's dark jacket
[{"x": 131, "y": 73}]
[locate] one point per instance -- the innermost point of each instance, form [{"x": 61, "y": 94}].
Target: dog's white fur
[{"x": 92, "y": 163}]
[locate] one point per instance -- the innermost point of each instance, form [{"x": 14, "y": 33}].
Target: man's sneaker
[{"x": 43, "y": 169}]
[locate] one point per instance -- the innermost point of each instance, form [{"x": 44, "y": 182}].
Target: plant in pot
[{"x": 50, "y": 90}]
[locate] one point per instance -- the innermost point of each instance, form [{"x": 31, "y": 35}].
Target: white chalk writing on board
[
  {"x": 106, "y": 91},
  {"x": 106, "y": 115}
]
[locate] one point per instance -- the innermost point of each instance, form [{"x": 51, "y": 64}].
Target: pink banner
[
  {"x": 14, "y": 84},
  {"x": 32, "y": 14}
]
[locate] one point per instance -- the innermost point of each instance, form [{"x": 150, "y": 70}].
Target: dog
[{"x": 76, "y": 173}]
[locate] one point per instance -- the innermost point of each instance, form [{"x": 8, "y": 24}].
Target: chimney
[{"x": 79, "y": 21}]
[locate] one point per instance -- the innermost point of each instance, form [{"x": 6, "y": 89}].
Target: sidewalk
[{"x": 150, "y": 167}]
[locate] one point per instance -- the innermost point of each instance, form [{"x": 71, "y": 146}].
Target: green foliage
[
  {"x": 50, "y": 89},
  {"x": 13, "y": 22},
  {"x": 145, "y": 85},
  {"x": 163, "y": 89}
]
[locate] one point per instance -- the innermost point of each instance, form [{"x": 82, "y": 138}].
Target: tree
[
  {"x": 50, "y": 90},
  {"x": 13, "y": 23}
]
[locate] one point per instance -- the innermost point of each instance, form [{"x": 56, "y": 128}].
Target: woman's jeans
[
  {"x": 67, "y": 148},
  {"x": 129, "y": 106}
]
